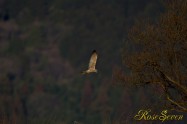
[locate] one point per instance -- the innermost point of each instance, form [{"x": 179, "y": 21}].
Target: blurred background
[{"x": 45, "y": 44}]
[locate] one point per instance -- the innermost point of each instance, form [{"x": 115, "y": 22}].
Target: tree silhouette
[{"x": 156, "y": 54}]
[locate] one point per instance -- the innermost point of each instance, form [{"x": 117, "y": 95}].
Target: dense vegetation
[
  {"x": 159, "y": 58},
  {"x": 46, "y": 44}
]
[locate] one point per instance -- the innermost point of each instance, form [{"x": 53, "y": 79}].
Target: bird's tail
[{"x": 83, "y": 72}]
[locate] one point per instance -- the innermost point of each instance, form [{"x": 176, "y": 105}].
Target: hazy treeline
[{"x": 44, "y": 45}]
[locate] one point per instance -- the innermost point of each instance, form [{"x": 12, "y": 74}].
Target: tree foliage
[
  {"x": 156, "y": 54},
  {"x": 44, "y": 45}
]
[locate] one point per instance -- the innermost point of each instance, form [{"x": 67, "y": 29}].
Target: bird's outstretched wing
[{"x": 93, "y": 60}]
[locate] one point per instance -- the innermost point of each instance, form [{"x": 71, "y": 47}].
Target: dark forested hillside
[{"x": 44, "y": 45}]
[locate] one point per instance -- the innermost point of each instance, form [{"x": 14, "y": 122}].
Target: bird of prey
[{"x": 92, "y": 63}]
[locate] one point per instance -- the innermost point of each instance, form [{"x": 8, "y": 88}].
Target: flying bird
[{"x": 92, "y": 63}]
